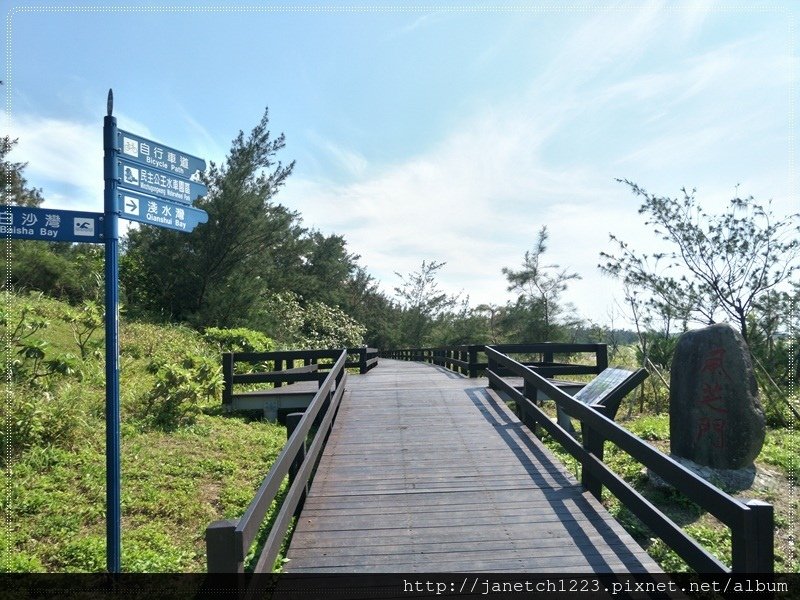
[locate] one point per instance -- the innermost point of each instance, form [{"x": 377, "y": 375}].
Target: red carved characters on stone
[
  {"x": 714, "y": 429},
  {"x": 713, "y": 422}
]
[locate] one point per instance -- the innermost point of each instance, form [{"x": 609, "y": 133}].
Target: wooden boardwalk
[{"x": 426, "y": 470}]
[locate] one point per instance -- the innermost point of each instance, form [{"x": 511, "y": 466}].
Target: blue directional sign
[
  {"x": 158, "y": 156},
  {"x": 154, "y": 184},
  {"x": 154, "y": 211},
  {"x": 50, "y": 224},
  {"x": 147, "y": 180}
]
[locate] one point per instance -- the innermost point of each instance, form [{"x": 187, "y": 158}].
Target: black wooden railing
[
  {"x": 228, "y": 541},
  {"x": 471, "y": 360},
  {"x": 315, "y": 364},
  {"x": 751, "y": 522}
]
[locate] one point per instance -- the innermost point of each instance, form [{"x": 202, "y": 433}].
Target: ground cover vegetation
[
  {"x": 255, "y": 278},
  {"x": 775, "y": 482}
]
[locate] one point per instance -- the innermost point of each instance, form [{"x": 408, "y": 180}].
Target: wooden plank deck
[{"x": 426, "y": 470}]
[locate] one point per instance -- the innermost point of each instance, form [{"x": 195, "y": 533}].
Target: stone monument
[{"x": 715, "y": 418}]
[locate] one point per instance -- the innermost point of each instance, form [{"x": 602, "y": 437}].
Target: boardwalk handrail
[
  {"x": 310, "y": 371},
  {"x": 751, "y": 523},
  {"x": 227, "y": 542},
  {"x": 464, "y": 358}
]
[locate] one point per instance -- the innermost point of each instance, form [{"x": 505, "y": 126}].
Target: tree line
[{"x": 255, "y": 265}]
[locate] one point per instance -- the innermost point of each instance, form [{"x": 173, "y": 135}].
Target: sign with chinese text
[
  {"x": 158, "y": 156},
  {"x": 154, "y": 182},
  {"x": 602, "y": 385},
  {"x": 154, "y": 211},
  {"x": 50, "y": 224}
]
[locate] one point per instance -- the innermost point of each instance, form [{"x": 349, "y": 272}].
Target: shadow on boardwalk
[{"x": 424, "y": 471}]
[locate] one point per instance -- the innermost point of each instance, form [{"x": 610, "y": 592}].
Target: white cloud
[
  {"x": 351, "y": 162},
  {"x": 477, "y": 199},
  {"x": 476, "y": 202},
  {"x": 421, "y": 22},
  {"x": 207, "y": 145},
  {"x": 613, "y": 37},
  {"x": 61, "y": 153}
]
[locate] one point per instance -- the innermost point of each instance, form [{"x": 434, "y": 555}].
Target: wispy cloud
[
  {"x": 610, "y": 39},
  {"x": 425, "y": 20},
  {"x": 620, "y": 97},
  {"x": 478, "y": 197},
  {"x": 351, "y": 162},
  {"x": 62, "y": 153},
  {"x": 207, "y": 144}
]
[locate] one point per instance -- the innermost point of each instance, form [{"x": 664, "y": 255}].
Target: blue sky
[{"x": 439, "y": 133}]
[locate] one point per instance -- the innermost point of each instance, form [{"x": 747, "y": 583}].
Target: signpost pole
[
  {"x": 171, "y": 175},
  {"x": 111, "y": 215}
]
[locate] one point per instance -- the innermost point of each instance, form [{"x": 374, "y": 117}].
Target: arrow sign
[
  {"x": 50, "y": 224},
  {"x": 158, "y": 156},
  {"x": 149, "y": 181},
  {"x": 154, "y": 211}
]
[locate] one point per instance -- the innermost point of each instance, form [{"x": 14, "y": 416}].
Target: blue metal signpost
[
  {"x": 168, "y": 178},
  {"x": 113, "y": 472},
  {"x": 142, "y": 179},
  {"x": 134, "y": 166}
]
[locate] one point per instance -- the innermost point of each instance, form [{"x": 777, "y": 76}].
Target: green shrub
[
  {"x": 149, "y": 549},
  {"x": 660, "y": 349},
  {"x": 780, "y": 449},
  {"x": 19, "y": 562},
  {"x": 84, "y": 554},
  {"x": 149, "y": 341},
  {"x": 315, "y": 325},
  {"x": 239, "y": 340},
  {"x": 180, "y": 389},
  {"x": 85, "y": 320},
  {"x": 39, "y": 418},
  {"x": 650, "y": 427}
]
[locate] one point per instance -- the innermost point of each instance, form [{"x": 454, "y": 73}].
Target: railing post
[
  {"x": 593, "y": 443},
  {"x": 278, "y": 366},
  {"x": 547, "y": 357},
  {"x": 362, "y": 360},
  {"x": 473, "y": 361},
  {"x": 222, "y": 554},
  {"x": 601, "y": 357},
  {"x": 227, "y": 378},
  {"x": 492, "y": 366},
  {"x": 752, "y": 544},
  {"x": 292, "y": 420},
  {"x": 525, "y": 415}
]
